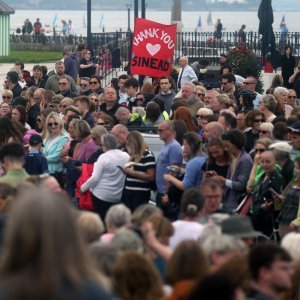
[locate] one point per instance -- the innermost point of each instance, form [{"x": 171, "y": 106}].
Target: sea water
[{"x": 117, "y": 20}]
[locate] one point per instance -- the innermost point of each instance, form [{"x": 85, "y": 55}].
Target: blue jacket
[
  {"x": 72, "y": 66},
  {"x": 52, "y": 152}
]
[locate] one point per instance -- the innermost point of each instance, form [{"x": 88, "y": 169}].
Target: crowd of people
[
  {"x": 37, "y": 29},
  {"x": 200, "y": 217}
]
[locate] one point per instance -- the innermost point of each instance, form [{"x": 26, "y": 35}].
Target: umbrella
[{"x": 266, "y": 19}]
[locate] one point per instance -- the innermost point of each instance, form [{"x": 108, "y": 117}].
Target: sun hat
[
  {"x": 281, "y": 146},
  {"x": 239, "y": 227}
]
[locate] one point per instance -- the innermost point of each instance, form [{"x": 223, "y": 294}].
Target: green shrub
[{"x": 245, "y": 63}]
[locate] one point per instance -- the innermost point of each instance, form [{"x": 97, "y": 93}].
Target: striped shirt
[{"x": 135, "y": 184}]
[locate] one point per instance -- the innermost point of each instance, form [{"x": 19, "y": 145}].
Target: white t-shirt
[
  {"x": 185, "y": 230},
  {"x": 107, "y": 180}
]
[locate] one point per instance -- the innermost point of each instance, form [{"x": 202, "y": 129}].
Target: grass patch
[{"x": 33, "y": 57}]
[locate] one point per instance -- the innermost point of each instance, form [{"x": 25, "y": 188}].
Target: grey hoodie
[{"x": 168, "y": 99}]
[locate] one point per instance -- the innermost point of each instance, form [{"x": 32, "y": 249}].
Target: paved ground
[{"x": 4, "y": 68}]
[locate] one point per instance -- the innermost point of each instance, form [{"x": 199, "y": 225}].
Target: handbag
[{"x": 84, "y": 200}]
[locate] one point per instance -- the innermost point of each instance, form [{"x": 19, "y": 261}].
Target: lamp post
[
  {"x": 89, "y": 27},
  {"x": 143, "y": 7},
  {"x": 129, "y": 6}
]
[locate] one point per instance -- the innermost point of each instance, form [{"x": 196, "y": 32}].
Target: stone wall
[{"x": 37, "y": 46}]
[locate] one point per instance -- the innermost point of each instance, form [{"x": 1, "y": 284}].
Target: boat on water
[{"x": 209, "y": 19}]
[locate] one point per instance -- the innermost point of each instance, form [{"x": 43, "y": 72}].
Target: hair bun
[{"x": 192, "y": 208}]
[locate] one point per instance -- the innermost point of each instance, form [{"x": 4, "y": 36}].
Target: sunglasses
[
  {"x": 63, "y": 106},
  {"x": 53, "y": 124},
  {"x": 95, "y": 99},
  {"x": 247, "y": 83},
  {"x": 200, "y": 117},
  {"x": 6, "y": 97},
  {"x": 83, "y": 84},
  {"x": 292, "y": 97},
  {"x": 263, "y": 131},
  {"x": 140, "y": 99},
  {"x": 260, "y": 150},
  {"x": 258, "y": 120},
  {"x": 162, "y": 130},
  {"x": 200, "y": 95},
  {"x": 93, "y": 82},
  {"x": 101, "y": 123}
]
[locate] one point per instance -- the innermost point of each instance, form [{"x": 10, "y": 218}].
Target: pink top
[{"x": 85, "y": 150}]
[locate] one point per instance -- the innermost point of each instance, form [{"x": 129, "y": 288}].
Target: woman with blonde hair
[
  {"x": 261, "y": 146},
  {"x": 55, "y": 137},
  {"x": 200, "y": 92},
  {"x": 140, "y": 172}
]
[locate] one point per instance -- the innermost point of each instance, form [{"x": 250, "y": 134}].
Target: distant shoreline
[{"x": 167, "y": 10}]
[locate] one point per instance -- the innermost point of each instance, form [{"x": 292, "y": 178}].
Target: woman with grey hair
[
  {"x": 268, "y": 106},
  {"x": 266, "y": 130},
  {"x": 107, "y": 181},
  {"x": 220, "y": 248},
  {"x": 282, "y": 109},
  {"x": 117, "y": 216}
]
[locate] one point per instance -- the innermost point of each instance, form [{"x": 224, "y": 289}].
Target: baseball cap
[
  {"x": 19, "y": 101},
  {"x": 35, "y": 140},
  {"x": 281, "y": 146},
  {"x": 295, "y": 127}
]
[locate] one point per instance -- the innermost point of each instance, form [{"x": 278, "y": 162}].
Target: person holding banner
[{"x": 186, "y": 73}]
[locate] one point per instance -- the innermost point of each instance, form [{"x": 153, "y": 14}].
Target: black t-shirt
[
  {"x": 212, "y": 166},
  {"x": 224, "y": 66},
  {"x": 296, "y": 85},
  {"x": 88, "y": 72},
  {"x": 251, "y": 139},
  {"x": 111, "y": 112}
]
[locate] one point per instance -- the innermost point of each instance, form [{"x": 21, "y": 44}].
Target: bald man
[
  {"x": 213, "y": 129},
  {"x": 127, "y": 118},
  {"x": 186, "y": 73}
]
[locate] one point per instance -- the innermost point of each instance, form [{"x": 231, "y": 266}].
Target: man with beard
[{"x": 53, "y": 81}]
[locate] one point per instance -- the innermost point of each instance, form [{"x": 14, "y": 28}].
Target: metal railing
[
  {"x": 195, "y": 45},
  {"x": 47, "y": 39}
]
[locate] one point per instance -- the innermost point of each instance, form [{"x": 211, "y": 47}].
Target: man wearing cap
[
  {"x": 294, "y": 133},
  {"x": 240, "y": 227},
  {"x": 19, "y": 101},
  {"x": 282, "y": 152},
  {"x": 35, "y": 161}
]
